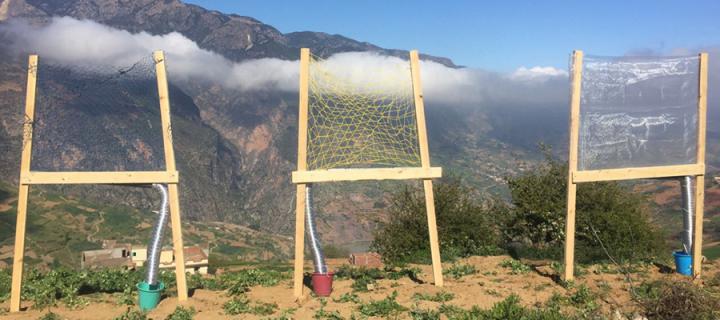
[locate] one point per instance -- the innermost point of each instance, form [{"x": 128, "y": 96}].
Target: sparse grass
[
  {"x": 181, "y": 313},
  {"x": 442, "y": 296},
  {"x": 458, "y": 271},
  {"x": 50, "y": 316},
  {"x": 323, "y": 314},
  {"x": 348, "y": 297},
  {"x": 515, "y": 266},
  {"x": 242, "y": 305},
  {"x": 416, "y": 313},
  {"x": 382, "y": 308},
  {"x": 132, "y": 314}
]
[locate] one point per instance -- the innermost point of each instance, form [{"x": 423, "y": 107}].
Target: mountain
[
  {"x": 236, "y": 149},
  {"x": 235, "y": 37}
]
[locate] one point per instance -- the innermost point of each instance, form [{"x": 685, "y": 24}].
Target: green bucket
[{"x": 149, "y": 295}]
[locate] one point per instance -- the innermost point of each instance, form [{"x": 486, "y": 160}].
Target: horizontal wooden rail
[
  {"x": 99, "y": 177},
  {"x": 639, "y": 173},
  {"x": 365, "y": 174}
]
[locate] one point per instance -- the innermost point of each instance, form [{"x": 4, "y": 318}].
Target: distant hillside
[
  {"x": 236, "y": 149},
  {"x": 59, "y": 228}
]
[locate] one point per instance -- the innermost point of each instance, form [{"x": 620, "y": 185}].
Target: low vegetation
[
  {"x": 465, "y": 227},
  {"x": 612, "y": 221}
]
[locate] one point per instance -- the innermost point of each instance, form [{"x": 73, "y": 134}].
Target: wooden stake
[
  {"x": 572, "y": 166},
  {"x": 24, "y": 190},
  {"x": 165, "y": 118},
  {"x": 302, "y": 166},
  {"x": 700, "y": 179},
  {"x": 298, "y": 274},
  {"x": 425, "y": 160}
]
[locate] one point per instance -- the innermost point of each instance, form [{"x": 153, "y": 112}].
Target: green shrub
[
  {"x": 5, "y": 282},
  {"x": 464, "y": 226},
  {"x": 608, "y": 213},
  {"x": 362, "y": 277}
]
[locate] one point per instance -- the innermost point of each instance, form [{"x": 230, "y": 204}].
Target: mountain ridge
[
  {"x": 234, "y": 36},
  {"x": 239, "y": 168}
]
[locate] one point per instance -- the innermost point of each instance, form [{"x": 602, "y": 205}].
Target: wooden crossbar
[
  {"x": 124, "y": 177},
  {"x": 365, "y": 174},
  {"x": 639, "y": 173}
]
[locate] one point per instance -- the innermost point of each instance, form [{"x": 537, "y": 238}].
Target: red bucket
[{"x": 322, "y": 283}]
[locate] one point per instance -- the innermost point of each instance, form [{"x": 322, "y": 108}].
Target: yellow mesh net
[{"x": 361, "y": 116}]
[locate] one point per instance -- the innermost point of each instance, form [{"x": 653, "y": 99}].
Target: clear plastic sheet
[{"x": 638, "y": 112}]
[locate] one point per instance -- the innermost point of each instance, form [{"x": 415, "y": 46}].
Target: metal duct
[
  {"x": 688, "y": 205},
  {"x": 155, "y": 246},
  {"x": 320, "y": 266}
]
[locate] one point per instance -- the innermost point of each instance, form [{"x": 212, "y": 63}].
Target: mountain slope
[{"x": 237, "y": 148}]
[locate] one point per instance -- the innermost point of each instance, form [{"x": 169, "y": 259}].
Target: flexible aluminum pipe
[
  {"x": 320, "y": 266},
  {"x": 155, "y": 246}
]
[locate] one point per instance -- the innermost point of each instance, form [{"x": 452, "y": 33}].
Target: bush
[
  {"x": 5, "y": 282},
  {"x": 608, "y": 213},
  {"x": 465, "y": 227},
  {"x": 672, "y": 299}
]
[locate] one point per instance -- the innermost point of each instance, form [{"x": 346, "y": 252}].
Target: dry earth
[{"x": 492, "y": 283}]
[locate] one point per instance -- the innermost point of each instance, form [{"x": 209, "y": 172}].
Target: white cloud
[
  {"x": 537, "y": 73},
  {"x": 70, "y": 41}
]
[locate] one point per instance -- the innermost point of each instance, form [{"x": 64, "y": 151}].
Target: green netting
[
  {"x": 97, "y": 118},
  {"x": 361, "y": 117}
]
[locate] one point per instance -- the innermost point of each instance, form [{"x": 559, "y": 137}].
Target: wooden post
[
  {"x": 425, "y": 160},
  {"x": 165, "y": 118},
  {"x": 24, "y": 189},
  {"x": 700, "y": 179},
  {"x": 302, "y": 166},
  {"x": 572, "y": 166}
]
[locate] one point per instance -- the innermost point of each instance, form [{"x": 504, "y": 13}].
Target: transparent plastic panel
[
  {"x": 638, "y": 112},
  {"x": 97, "y": 118}
]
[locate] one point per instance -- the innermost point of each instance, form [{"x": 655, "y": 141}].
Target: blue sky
[{"x": 500, "y": 35}]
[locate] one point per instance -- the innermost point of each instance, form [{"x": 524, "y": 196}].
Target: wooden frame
[
  {"x": 27, "y": 177},
  {"x": 302, "y": 176},
  {"x": 576, "y": 176}
]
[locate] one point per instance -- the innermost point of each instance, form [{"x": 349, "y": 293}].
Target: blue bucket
[{"x": 683, "y": 263}]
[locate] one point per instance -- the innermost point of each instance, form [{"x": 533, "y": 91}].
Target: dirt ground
[{"x": 492, "y": 283}]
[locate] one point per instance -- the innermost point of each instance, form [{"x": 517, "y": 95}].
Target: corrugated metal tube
[
  {"x": 318, "y": 256},
  {"x": 155, "y": 246},
  {"x": 688, "y": 204}
]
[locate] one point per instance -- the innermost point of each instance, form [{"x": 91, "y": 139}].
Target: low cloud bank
[{"x": 69, "y": 41}]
